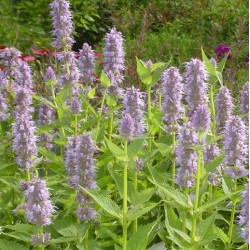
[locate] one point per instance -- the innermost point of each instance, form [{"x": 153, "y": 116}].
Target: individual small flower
[
  {"x": 222, "y": 50},
  {"x": 38, "y": 239},
  {"x": 235, "y": 147},
  {"x": 244, "y": 101},
  {"x": 223, "y": 108},
  {"x": 134, "y": 106},
  {"x": 210, "y": 153},
  {"x": 172, "y": 94},
  {"x": 201, "y": 118},
  {"x": 139, "y": 163},
  {"x": 62, "y": 24},
  {"x": 114, "y": 55},
  {"x": 76, "y": 105},
  {"x": 244, "y": 214},
  {"x": 186, "y": 157},
  {"x": 127, "y": 126},
  {"x": 38, "y": 207},
  {"x": 85, "y": 213},
  {"x": 86, "y": 64},
  {"x": 195, "y": 84}
]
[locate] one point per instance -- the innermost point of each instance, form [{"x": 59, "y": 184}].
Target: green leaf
[
  {"x": 164, "y": 149},
  {"x": 205, "y": 226},
  {"x": 219, "y": 77},
  {"x": 157, "y": 74},
  {"x": 62, "y": 240},
  {"x": 111, "y": 101},
  {"x": 10, "y": 245},
  {"x": 106, "y": 203},
  {"x": 157, "y": 66},
  {"x": 212, "y": 165},
  {"x": 91, "y": 93},
  {"x": 49, "y": 83},
  {"x": 11, "y": 182},
  {"x": 134, "y": 148},
  {"x": 62, "y": 95},
  {"x": 21, "y": 227},
  {"x": 65, "y": 228},
  {"x": 143, "y": 72},
  {"x": 213, "y": 202},
  {"x": 222, "y": 235},
  {"x": 143, "y": 196},
  {"x": 52, "y": 156},
  {"x": 116, "y": 151},
  {"x": 139, "y": 239},
  {"x": 43, "y": 100},
  {"x": 221, "y": 65},
  {"x": 209, "y": 66},
  {"x": 23, "y": 236},
  {"x": 105, "y": 81},
  {"x": 61, "y": 141},
  {"x": 140, "y": 210},
  {"x": 158, "y": 246}
]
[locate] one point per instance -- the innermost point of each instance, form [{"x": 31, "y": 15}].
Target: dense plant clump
[{"x": 106, "y": 165}]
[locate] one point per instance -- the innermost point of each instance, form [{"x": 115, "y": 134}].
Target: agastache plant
[
  {"x": 235, "y": 147},
  {"x": 195, "y": 84},
  {"x": 62, "y": 24},
  {"x": 186, "y": 157},
  {"x": 223, "y": 107},
  {"x": 244, "y": 101},
  {"x": 172, "y": 90},
  {"x": 134, "y": 105},
  {"x": 127, "y": 126}
]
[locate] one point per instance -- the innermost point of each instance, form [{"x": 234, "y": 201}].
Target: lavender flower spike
[
  {"x": 87, "y": 64},
  {"x": 127, "y": 126},
  {"x": 244, "y": 214},
  {"x": 223, "y": 108},
  {"x": 196, "y": 87},
  {"x": 134, "y": 105},
  {"x": 4, "y": 115},
  {"x": 114, "y": 55},
  {"x": 235, "y": 147},
  {"x": 244, "y": 100},
  {"x": 62, "y": 24},
  {"x": 186, "y": 157},
  {"x": 172, "y": 94},
  {"x": 38, "y": 207},
  {"x": 201, "y": 118}
]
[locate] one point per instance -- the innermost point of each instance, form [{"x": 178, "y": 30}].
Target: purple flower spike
[
  {"x": 222, "y": 50},
  {"x": 87, "y": 64},
  {"x": 186, "y": 157},
  {"x": 235, "y": 147},
  {"x": 196, "y": 87},
  {"x": 114, "y": 56},
  {"x": 244, "y": 101},
  {"x": 4, "y": 115},
  {"x": 62, "y": 24},
  {"x": 244, "y": 214},
  {"x": 38, "y": 239},
  {"x": 223, "y": 108},
  {"x": 38, "y": 207},
  {"x": 127, "y": 126},
  {"x": 49, "y": 74},
  {"x": 134, "y": 105},
  {"x": 172, "y": 94},
  {"x": 201, "y": 118}
]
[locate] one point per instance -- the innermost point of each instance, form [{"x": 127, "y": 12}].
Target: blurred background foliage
[{"x": 153, "y": 29}]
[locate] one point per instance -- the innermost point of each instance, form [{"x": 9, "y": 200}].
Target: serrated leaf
[
  {"x": 62, "y": 240},
  {"x": 221, "y": 65},
  {"x": 61, "y": 141},
  {"x": 134, "y": 148},
  {"x": 52, "y": 156},
  {"x": 65, "y": 228},
  {"x": 219, "y": 77},
  {"x": 164, "y": 149},
  {"x": 140, "y": 210},
  {"x": 143, "y": 196},
  {"x": 62, "y": 95},
  {"x": 205, "y": 226},
  {"x": 23, "y": 236},
  {"x": 21, "y": 227},
  {"x": 158, "y": 246},
  {"x": 209, "y": 66},
  {"x": 116, "y": 151},
  {"x": 91, "y": 93},
  {"x": 221, "y": 235},
  {"x": 157, "y": 66},
  {"x": 43, "y": 100},
  {"x": 212, "y": 165},
  {"x": 10, "y": 245},
  {"x": 106, "y": 203},
  {"x": 212, "y": 203},
  {"x": 105, "y": 81},
  {"x": 157, "y": 74},
  {"x": 143, "y": 72},
  {"x": 11, "y": 182}
]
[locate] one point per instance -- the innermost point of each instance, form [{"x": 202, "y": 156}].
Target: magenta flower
[{"x": 222, "y": 50}]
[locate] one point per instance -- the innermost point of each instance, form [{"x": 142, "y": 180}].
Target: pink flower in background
[{"x": 222, "y": 50}]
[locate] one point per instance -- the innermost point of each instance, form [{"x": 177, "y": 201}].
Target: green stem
[
  {"x": 75, "y": 124},
  {"x": 230, "y": 231},
  {"x": 100, "y": 114},
  {"x": 212, "y": 109},
  {"x": 86, "y": 241},
  {"x": 197, "y": 189},
  {"x": 111, "y": 125},
  {"x": 125, "y": 199},
  {"x": 173, "y": 160},
  {"x": 135, "y": 223},
  {"x": 149, "y": 119},
  {"x": 160, "y": 101},
  {"x": 210, "y": 192}
]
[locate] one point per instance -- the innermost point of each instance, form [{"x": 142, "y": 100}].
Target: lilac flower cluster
[
  {"x": 87, "y": 64},
  {"x": 210, "y": 153},
  {"x": 127, "y": 126},
  {"x": 244, "y": 101},
  {"x": 223, "y": 108},
  {"x": 222, "y": 50},
  {"x": 38, "y": 207},
  {"x": 134, "y": 106},
  {"x": 114, "y": 59},
  {"x": 172, "y": 94},
  {"x": 4, "y": 115},
  {"x": 80, "y": 168},
  {"x": 196, "y": 87},
  {"x": 235, "y": 147},
  {"x": 244, "y": 214},
  {"x": 62, "y": 24},
  {"x": 201, "y": 119},
  {"x": 49, "y": 74},
  {"x": 186, "y": 157},
  {"x": 38, "y": 239}
]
